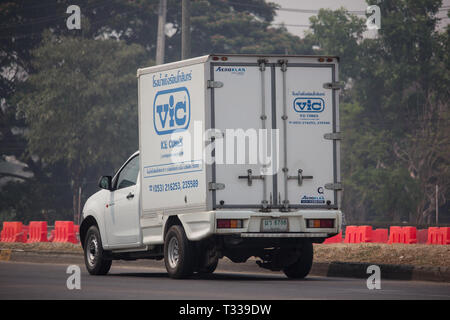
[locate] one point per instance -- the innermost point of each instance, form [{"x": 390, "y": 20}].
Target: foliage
[
  {"x": 80, "y": 104},
  {"x": 74, "y": 84},
  {"x": 59, "y": 88},
  {"x": 395, "y": 110},
  {"x": 339, "y": 33},
  {"x": 224, "y": 30}
]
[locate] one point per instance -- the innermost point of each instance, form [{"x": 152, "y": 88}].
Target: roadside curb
[
  {"x": 16, "y": 255},
  {"x": 388, "y": 271},
  {"x": 333, "y": 269}
]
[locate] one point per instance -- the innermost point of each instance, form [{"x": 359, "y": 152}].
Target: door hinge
[
  {"x": 333, "y": 186},
  {"x": 333, "y": 85},
  {"x": 214, "y": 84},
  {"x": 283, "y": 64},
  {"x": 216, "y": 186},
  {"x": 333, "y": 136},
  {"x": 262, "y": 64}
]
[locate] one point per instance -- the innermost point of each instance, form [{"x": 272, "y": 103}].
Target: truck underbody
[{"x": 273, "y": 253}]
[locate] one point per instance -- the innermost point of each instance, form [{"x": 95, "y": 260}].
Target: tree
[
  {"x": 411, "y": 72},
  {"x": 222, "y": 26},
  {"x": 339, "y": 33},
  {"x": 80, "y": 104},
  {"x": 38, "y": 199},
  {"x": 244, "y": 26},
  {"x": 394, "y": 109},
  {"x": 23, "y": 23},
  {"x": 21, "y": 31}
]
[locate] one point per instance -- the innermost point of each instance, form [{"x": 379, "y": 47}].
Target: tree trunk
[{"x": 75, "y": 187}]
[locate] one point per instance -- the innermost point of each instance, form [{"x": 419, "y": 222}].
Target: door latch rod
[
  {"x": 300, "y": 177},
  {"x": 250, "y": 177}
]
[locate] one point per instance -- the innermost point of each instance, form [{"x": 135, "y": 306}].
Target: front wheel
[
  {"x": 178, "y": 253},
  {"x": 94, "y": 256},
  {"x": 301, "y": 268}
]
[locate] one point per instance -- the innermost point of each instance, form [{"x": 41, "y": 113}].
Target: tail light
[
  {"x": 229, "y": 223},
  {"x": 320, "y": 223}
]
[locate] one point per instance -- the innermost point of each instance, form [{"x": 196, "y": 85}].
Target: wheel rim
[
  {"x": 92, "y": 251},
  {"x": 173, "y": 253}
]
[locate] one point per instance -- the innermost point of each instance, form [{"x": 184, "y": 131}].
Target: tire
[
  {"x": 178, "y": 253},
  {"x": 208, "y": 269},
  {"x": 301, "y": 268},
  {"x": 94, "y": 256}
]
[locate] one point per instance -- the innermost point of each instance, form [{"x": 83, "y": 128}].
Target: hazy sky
[{"x": 301, "y": 18}]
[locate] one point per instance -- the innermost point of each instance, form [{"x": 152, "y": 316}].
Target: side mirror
[{"x": 105, "y": 182}]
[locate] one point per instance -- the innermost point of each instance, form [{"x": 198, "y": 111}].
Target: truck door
[
  {"x": 240, "y": 109},
  {"x": 122, "y": 213},
  {"x": 307, "y": 116}
]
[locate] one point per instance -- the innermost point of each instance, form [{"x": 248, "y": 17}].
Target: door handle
[
  {"x": 300, "y": 177},
  {"x": 250, "y": 177},
  {"x": 130, "y": 196}
]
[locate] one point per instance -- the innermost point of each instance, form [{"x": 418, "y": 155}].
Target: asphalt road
[{"x": 48, "y": 281}]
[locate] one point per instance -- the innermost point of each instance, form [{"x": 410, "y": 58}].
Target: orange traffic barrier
[
  {"x": 422, "y": 236},
  {"x": 365, "y": 233},
  {"x": 438, "y": 235},
  {"x": 380, "y": 235},
  {"x": 336, "y": 239},
  {"x": 434, "y": 235},
  {"x": 354, "y": 234},
  {"x": 37, "y": 231},
  {"x": 64, "y": 232},
  {"x": 407, "y": 235},
  {"x": 76, "y": 229},
  {"x": 350, "y": 234},
  {"x": 395, "y": 235},
  {"x": 13, "y": 232},
  {"x": 52, "y": 236},
  {"x": 25, "y": 230},
  {"x": 445, "y": 235}
]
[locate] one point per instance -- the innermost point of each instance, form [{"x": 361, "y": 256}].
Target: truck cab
[{"x": 169, "y": 201}]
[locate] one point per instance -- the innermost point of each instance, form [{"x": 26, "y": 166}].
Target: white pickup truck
[{"x": 238, "y": 157}]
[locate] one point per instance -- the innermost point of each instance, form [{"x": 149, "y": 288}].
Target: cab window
[{"x": 128, "y": 176}]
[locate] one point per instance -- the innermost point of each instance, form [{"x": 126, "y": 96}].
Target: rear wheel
[
  {"x": 94, "y": 256},
  {"x": 209, "y": 268},
  {"x": 178, "y": 253},
  {"x": 301, "y": 268}
]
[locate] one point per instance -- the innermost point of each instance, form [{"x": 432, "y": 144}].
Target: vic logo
[
  {"x": 309, "y": 105},
  {"x": 171, "y": 110}
]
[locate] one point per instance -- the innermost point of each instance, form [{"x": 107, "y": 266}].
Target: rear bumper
[
  {"x": 284, "y": 235},
  {"x": 297, "y": 227}
]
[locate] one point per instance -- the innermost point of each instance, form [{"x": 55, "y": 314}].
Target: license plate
[{"x": 275, "y": 225}]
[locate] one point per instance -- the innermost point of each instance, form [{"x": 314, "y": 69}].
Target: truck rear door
[
  {"x": 241, "y": 111},
  {"x": 307, "y": 117},
  {"x": 296, "y": 102}
]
